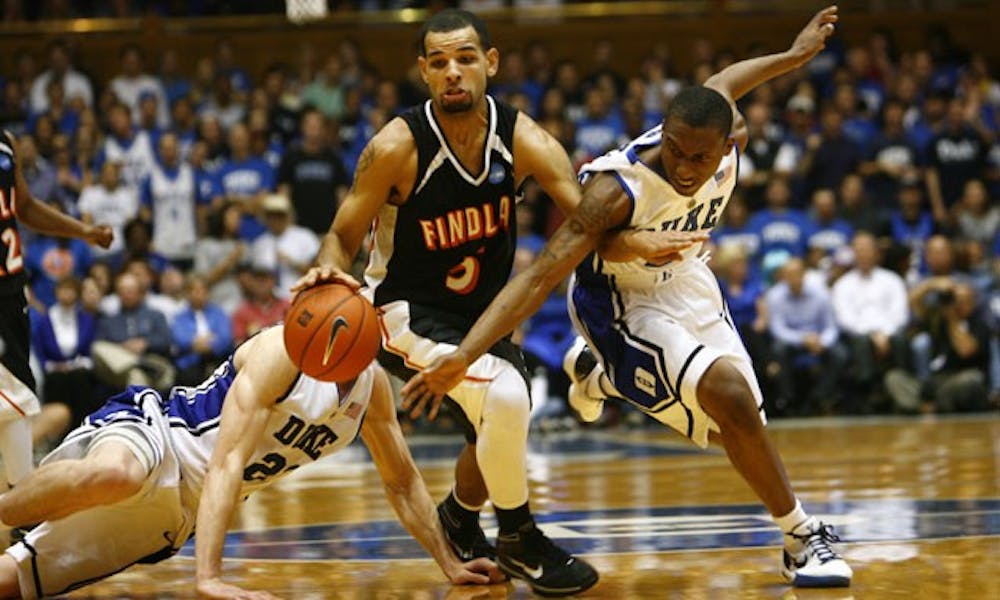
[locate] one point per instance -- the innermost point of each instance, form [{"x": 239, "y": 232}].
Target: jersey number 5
[{"x": 463, "y": 277}]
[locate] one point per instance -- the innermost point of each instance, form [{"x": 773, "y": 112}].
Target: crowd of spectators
[
  {"x": 858, "y": 257},
  {"x": 34, "y": 10}
]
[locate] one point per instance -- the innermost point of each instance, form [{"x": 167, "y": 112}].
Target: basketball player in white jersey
[
  {"x": 134, "y": 480},
  {"x": 650, "y": 308}
]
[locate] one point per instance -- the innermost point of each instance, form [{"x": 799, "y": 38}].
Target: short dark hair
[
  {"x": 452, "y": 19},
  {"x": 700, "y": 106}
]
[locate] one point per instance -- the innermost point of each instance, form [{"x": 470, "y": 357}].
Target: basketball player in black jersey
[
  {"x": 440, "y": 184},
  {"x": 17, "y": 385}
]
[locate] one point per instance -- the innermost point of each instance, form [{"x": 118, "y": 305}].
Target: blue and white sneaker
[
  {"x": 816, "y": 564},
  {"x": 580, "y": 365}
]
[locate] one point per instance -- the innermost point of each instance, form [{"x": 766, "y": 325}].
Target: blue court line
[{"x": 656, "y": 529}]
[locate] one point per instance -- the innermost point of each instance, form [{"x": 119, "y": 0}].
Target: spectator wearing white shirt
[
  {"x": 871, "y": 306},
  {"x": 285, "y": 249},
  {"x": 132, "y": 148},
  {"x": 75, "y": 83},
  {"x": 132, "y": 83},
  {"x": 111, "y": 203},
  {"x": 168, "y": 199}
]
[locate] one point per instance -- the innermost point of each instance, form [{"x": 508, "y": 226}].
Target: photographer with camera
[{"x": 950, "y": 348}]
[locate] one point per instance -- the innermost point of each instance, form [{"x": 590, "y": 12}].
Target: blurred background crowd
[{"x": 859, "y": 256}]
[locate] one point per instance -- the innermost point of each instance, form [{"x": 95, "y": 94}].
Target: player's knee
[
  {"x": 112, "y": 474},
  {"x": 508, "y": 402},
  {"x": 9, "y": 586},
  {"x": 726, "y": 396}
]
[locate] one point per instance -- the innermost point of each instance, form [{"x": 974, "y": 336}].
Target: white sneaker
[
  {"x": 579, "y": 364},
  {"x": 816, "y": 564}
]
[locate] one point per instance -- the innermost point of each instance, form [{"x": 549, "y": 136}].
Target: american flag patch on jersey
[
  {"x": 724, "y": 173},
  {"x": 353, "y": 410}
]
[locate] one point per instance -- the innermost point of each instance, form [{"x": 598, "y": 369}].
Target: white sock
[
  {"x": 16, "y": 449},
  {"x": 790, "y": 522}
]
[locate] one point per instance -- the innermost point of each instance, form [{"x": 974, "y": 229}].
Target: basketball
[{"x": 331, "y": 332}]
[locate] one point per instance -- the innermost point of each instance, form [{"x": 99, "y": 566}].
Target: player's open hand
[
  {"x": 812, "y": 39},
  {"x": 216, "y": 588},
  {"x": 429, "y": 386},
  {"x": 660, "y": 247},
  {"x": 479, "y": 571},
  {"x": 324, "y": 274},
  {"x": 99, "y": 235}
]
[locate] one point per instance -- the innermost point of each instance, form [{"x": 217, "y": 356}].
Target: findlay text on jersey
[{"x": 462, "y": 225}]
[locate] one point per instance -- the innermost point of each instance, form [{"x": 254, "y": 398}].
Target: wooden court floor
[{"x": 917, "y": 502}]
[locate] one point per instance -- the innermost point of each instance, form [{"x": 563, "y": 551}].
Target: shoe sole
[
  {"x": 546, "y": 591},
  {"x": 808, "y": 581}
]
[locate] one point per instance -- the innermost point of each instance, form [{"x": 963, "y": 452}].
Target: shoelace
[{"x": 819, "y": 542}]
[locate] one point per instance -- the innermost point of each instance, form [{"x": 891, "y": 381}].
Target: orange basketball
[{"x": 331, "y": 332}]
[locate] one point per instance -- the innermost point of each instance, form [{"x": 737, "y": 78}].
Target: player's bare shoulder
[
  {"x": 263, "y": 359},
  {"x": 390, "y": 156},
  {"x": 534, "y": 147}
]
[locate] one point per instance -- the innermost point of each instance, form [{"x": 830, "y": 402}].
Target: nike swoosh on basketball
[
  {"x": 338, "y": 324},
  {"x": 535, "y": 573}
]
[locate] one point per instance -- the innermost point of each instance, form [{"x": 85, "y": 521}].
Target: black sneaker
[
  {"x": 469, "y": 541},
  {"x": 548, "y": 569}
]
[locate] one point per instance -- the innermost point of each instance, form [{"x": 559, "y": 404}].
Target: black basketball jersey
[
  {"x": 12, "y": 276},
  {"x": 451, "y": 244}
]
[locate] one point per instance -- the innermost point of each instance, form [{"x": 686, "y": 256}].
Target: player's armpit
[{"x": 387, "y": 167}]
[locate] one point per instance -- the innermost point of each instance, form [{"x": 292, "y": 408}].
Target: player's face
[
  {"x": 691, "y": 155},
  {"x": 455, "y": 69}
]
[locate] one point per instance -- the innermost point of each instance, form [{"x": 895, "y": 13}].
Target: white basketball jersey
[
  {"x": 173, "y": 211},
  {"x": 657, "y": 206},
  {"x": 310, "y": 422},
  {"x": 136, "y": 158}
]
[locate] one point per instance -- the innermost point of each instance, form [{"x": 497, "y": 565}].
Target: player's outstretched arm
[
  {"x": 46, "y": 220},
  {"x": 264, "y": 375},
  {"x": 739, "y": 78},
  {"x": 406, "y": 491},
  {"x": 603, "y": 208},
  {"x": 385, "y": 163}
]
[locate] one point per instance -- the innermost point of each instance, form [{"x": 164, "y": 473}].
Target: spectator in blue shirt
[
  {"x": 515, "y": 80},
  {"x": 132, "y": 346},
  {"x": 245, "y": 179},
  {"x": 202, "y": 334},
  {"x": 780, "y": 227},
  {"x": 856, "y": 126},
  {"x": 600, "y": 129},
  {"x": 50, "y": 260},
  {"x": 955, "y": 156},
  {"x": 891, "y": 157},
  {"x": 830, "y": 155},
  {"x": 61, "y": 339},
  {"x": 175, "y": 85},
  {"x": 736, "y": 229},
  {"x": 828, "y": 233},
  {"x": 804, "y": 331},
  {"x": 911, "y": 225},
  {"x": 744, "y": 295}
]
